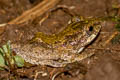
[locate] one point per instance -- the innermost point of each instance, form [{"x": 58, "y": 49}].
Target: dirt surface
[{"x": 103, "y": 65}]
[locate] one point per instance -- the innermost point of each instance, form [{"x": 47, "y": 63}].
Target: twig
[
  {"x": 4, "y": 24},
  {"x": 64, "y": 8},
  {"x": 110, "y": 38},
  {"x": 103, "y": 48},
  {"x": 37, "y": 73},
  {"x": 55, "y": 75},
  {"x": 35, "y": 12}
]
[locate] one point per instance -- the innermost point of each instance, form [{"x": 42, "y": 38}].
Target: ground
[{"x": 103, "y": 65}]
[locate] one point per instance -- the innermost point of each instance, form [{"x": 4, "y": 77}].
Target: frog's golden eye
[{"x": 91, "y": 28}]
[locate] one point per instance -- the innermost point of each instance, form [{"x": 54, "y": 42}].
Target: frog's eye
[{"x": 91, "y": 28}]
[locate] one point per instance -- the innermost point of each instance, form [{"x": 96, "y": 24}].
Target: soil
[{"x": 103, "y": 65}]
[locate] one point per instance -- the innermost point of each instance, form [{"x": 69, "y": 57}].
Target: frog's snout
[{"x": 97, "y": 28}]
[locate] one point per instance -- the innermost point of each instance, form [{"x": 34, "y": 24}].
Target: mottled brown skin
[{"x": 57, "y": 50}]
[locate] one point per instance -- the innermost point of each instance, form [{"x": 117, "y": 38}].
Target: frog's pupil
[
  {"x": 91, "y": 28},
  {"x": 31, "y": 1}
]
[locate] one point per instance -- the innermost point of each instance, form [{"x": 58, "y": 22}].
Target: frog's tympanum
[{"x": 62, "y": 48}]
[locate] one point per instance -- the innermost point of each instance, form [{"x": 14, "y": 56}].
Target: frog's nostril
[{"x": 91, "y": 28}]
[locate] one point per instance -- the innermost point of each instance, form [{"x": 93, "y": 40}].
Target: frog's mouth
[
  {"x": 92, "y": 37},
  {"x": 89, "y": 37}
]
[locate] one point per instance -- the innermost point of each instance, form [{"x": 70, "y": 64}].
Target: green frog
[{"x": 58, "y": 50}]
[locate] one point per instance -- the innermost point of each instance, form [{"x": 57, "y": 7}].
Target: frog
[{"x": 60, "y": 49}]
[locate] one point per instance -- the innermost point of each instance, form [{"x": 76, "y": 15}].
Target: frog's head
[
  {"x": 91, "y": 30},
  {"x": 91, "y": 25},
  {"x": 87, "y": 28}
]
